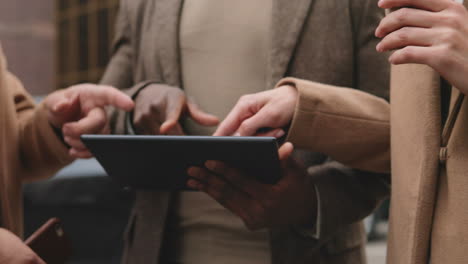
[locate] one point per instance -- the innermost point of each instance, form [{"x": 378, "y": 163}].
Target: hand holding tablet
[{"x": 291, "y": 201}]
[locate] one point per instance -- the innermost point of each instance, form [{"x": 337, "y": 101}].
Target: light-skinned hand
[
  {"x": 272, "y": 110},
  {"x": 80, "y": 110},
  {"x": 430, "y": 32}
]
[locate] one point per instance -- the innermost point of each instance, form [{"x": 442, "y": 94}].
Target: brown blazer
[
  {"x": 29, "y": 147},
  {"x": 328, "y": 41},
  {"x": 429, "y": 217}
]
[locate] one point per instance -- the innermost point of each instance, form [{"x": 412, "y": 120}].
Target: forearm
[
  {"x": 42, "y": 152},
  {"x": 348, "y": 125}
]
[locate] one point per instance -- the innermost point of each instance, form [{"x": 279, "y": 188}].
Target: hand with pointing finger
[
  {"x": 80, "y": 110},
  {"x": 272, "y": 109},
  {"x": 159, "y": 108}
]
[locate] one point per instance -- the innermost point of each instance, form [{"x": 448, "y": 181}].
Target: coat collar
[
  {"x": 288, "y": 18},
  {"x": 167, "y": 20}
]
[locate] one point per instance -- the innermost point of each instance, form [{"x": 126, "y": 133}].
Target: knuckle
[
  {"x": 441, "y": 58},
  {"x": 450, "y": 38},
  {"x": 245, "y": 97},
  {"x": 457, "y": 8},
  {"x": 403, "y": 35},
  {"x": 155, "y": 106},
  {"x": 407, "y": 54},
  {"x": 246, "y": 100},
  {"x": 401, "y": 15},
  {"x": 246, "y": 126},
  {"x": 452, "y": 20}
]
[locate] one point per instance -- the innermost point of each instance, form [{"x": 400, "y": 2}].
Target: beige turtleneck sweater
[{"x": 224, "y": 46}]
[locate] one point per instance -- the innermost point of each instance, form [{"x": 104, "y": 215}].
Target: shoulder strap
[{"x": 451, "y": 119}]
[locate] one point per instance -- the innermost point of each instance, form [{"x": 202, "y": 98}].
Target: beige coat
[
  {"x": 29, "y": 147},
  {"x": 429, "y": 217},
  {"x": 329, "y": 41}
]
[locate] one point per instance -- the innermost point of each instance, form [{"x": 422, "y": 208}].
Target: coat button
[{"x": 443, "y": 155}]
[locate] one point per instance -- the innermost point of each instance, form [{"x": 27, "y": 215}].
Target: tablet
[{"x": 161, "y": 162}]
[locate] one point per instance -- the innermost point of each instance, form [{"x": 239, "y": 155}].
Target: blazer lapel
[
  {"x": 168, "y": 14},
  {"x": 288, "y": 20}
]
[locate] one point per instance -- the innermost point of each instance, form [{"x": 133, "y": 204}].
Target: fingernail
[
  {"x": 193, "y": 172},
  {"x": 210, "y": 165},
  {"x": 237, "y": 134},
  {"x": 376, "y": 33},
  {"x": 379, "y": 47},
  {"x": 280, "y": 133}
]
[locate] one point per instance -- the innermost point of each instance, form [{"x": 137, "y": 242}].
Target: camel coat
[
  {"x": 29, "y": 147},
  {"x": 328, "y": 41},
  {"x": 429, "y": 217}
]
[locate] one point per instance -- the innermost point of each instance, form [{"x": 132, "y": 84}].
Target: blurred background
[{"x": 51, "y": 44}]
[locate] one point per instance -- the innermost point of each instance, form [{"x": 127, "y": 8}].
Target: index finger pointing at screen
[{"x": 233, "y": 121}]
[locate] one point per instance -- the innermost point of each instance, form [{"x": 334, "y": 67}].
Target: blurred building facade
[
  {"x": 27, "y": 35},
  {"x": 52, "y": 44},
  {"x": 84, "y": 35}
]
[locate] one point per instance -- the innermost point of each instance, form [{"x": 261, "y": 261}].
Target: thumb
[
  {"x": 200, "y": 116},
  {"x": 285, "y": 151}
]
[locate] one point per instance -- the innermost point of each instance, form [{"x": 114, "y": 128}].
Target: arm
[
  {"x": 158, "y": 106},
  {"x": 357, "y": 133},
  {"x": 351, "y": 125},
  {"x": 119, "y": 71},
  {"x": 42, "y": 152}
]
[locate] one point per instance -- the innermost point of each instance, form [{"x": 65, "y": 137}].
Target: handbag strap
[{"x": 449, "y": 118}]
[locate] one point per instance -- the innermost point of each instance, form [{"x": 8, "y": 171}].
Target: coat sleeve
[
  {"x": 41, "y": 150},
  {"x": 119, "y": 72},
  {"x": 351, "y": 125}
]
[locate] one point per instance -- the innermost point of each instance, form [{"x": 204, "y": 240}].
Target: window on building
[{"x": 84, "y": 35}]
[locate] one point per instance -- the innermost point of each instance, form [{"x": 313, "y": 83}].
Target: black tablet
[{"x": 161, "y": 162}]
